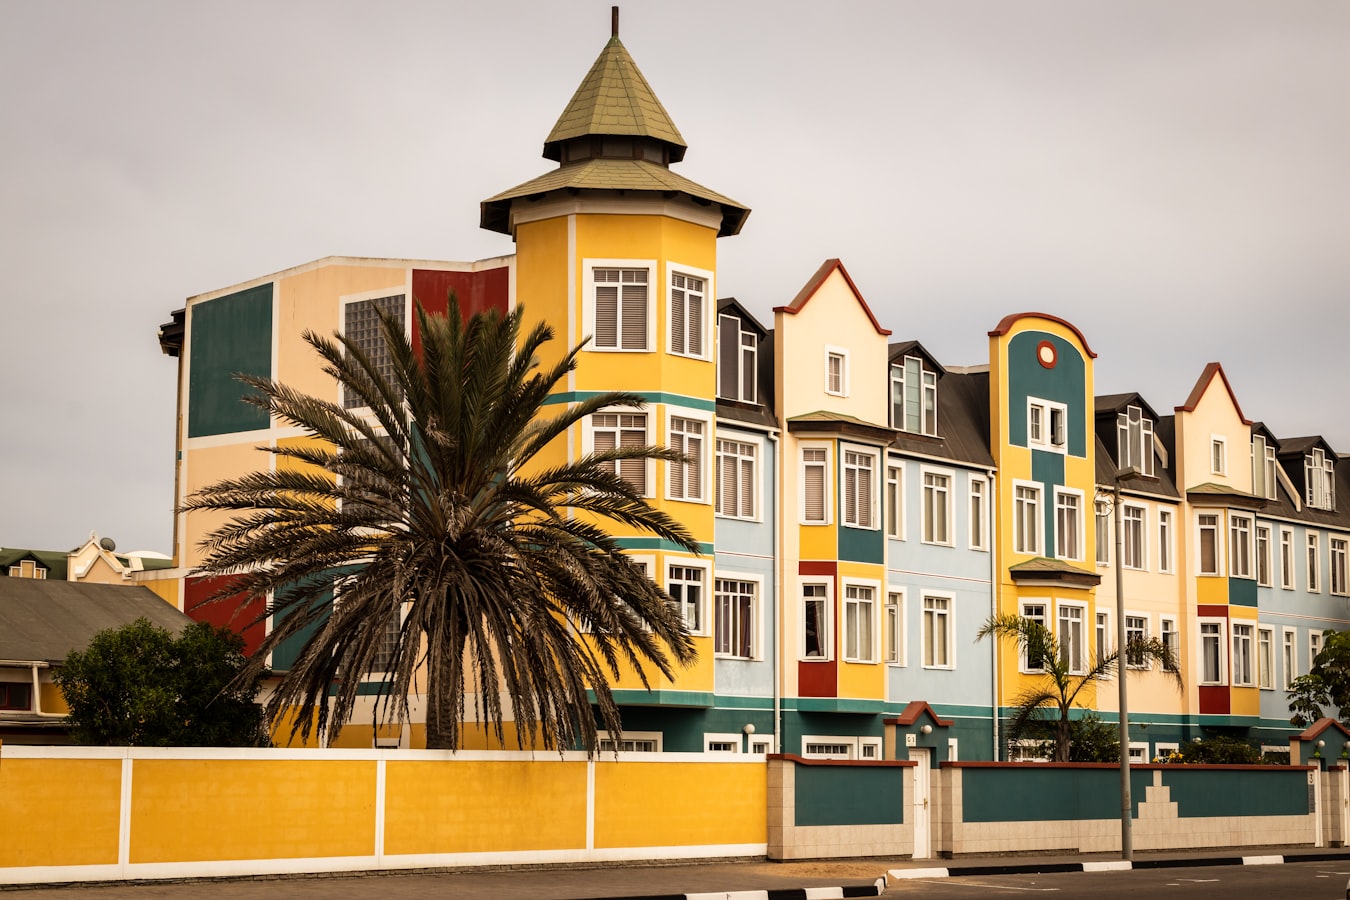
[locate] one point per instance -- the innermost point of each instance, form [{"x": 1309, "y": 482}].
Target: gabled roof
[
  {"x": 1320, "y": 726},
  {"x": 910, "y": 714},
  {"x": 963, "y": 422},
  {"x": 1301, "y": 446},
  {"x": 54, "y": 561},
  {"x": 614, "y": 99},
  {"x": 1007, "y": 322},
  {"x": 1116, "y": 403},
  {"x": 1259, "y": 428},
  {"x": 900, "y": 349},
  {"x": 731, "y": 306},
  {"x": 45, "y": 620},
  {"x": 1202, "y": 385},
  {"x": 1162, "y": 484},
  {"x": 827, "y": 422},
  {"x": 1044, "y": 569},
  {"x": 809, "y": 289}
]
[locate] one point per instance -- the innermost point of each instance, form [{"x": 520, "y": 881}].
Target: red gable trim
[
  {"x": 910, "y": 714},
  {"x": 1006, "y": 324},
  {"x": 1200, "y": 386},
  {"x": 809, "y": 290},
  {"x": 1320, "y": 726}
]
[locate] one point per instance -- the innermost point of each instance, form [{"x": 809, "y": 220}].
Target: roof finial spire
[{"x": 613, "y": 21}]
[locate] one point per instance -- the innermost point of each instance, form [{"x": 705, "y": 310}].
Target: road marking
[
  {"x": 1198, "y": 880},
  {"x": 966, "y": 882}
]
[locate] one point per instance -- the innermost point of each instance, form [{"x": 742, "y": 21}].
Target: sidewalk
[{"x": 732, "y": 880}]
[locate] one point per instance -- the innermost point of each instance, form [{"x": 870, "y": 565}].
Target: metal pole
[{"x": 1126, "y": 837}]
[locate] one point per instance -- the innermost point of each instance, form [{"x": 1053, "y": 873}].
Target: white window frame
[
  {"x": 946, "y": 492},
  {"x": 706, "y": 441},
  {"x": 1126, "y": 449},
  {"x": 1219, "y": 542},
  {"x": 1045, "y": 439},
  {"x": 1167, "y": 546},
  {"x": 674, "y": 269},
  {"x": 1170, "y": 637},
  {"x": 1287, "y": 577},
  {"x": 827, "y": 639},
  {"x": 1263, "y": 468},
  {"x": 1221, "y": 648},
  {"x": 756, "y": 445},
  {"x": 1037, "y": 538},
  {"x": 1241, "y": 533},
  {"x": 704, "y": 604},
  {"x": 831, "y": 352},
  {"x": 605, "y": 741},
  {"x": 745, "y": 393},
  {"x": 893, "y": 500},
  {"x": 1319, "y": 480},
  {"x": 852, "y": 517},
  {"x": 1078, "y": 536},
  {"x": 1312, "y": 542},
  {"x": 827, "y": 482},
  {"x": 1126, "y": 522},
  {"x": 346, "y": 300},
  {"x": 1218, "y": 454},
  {"x": 1142, "y": 631},
  {"x": 1244, "y": 645},
  {"x": 1138, "y": 753},
  {"x": 1338, "y": 555},
  {"x": 848, "y": 747},
  {"x": 1039, "y": 610},
  {"x": 977, "y": 489},
  {"x": 872, "y": 619},
  {"x": 756, "y": 613},
  {"x": 719, "y": 737},
  {"x": 1265, "y": 657},
  {"x": 927, "y": 390},
  {"x": 1162, "y": 747},
  {"x": 1078, "y": 665},
  {"x": 1102, "y": 516},
  {"x": 589, "y": 429},
  {"x": 948, "y": 612},
  {"x": 1314, "y": 646},
  {"x": 589, "y": 285},
  {"x": 1289, "y": 654},
  {"x": 1261, "y": 540},
  {"x": 1103, "y": 634},
  {"x": 893, "y": 627}
]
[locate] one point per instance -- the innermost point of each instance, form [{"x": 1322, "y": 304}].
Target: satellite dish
[{"x": 108, "y": 544}]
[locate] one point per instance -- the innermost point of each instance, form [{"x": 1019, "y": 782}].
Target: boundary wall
[{"x": 106, "y": 814}]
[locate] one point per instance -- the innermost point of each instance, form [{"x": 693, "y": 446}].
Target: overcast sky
[{"x": 1170, "y": 176}]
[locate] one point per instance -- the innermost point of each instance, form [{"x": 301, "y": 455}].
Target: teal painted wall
[
  {"x": 229, "y": 335},
  {"x": 850, "y": 795},
  {"x": 288, "y": 651},
  {"x": 1242, "y": 592},
  {"x": 862, "y": 545},
  {"x": 1036, "y": 794},
  {"x": 1048, "y": 469},
  {"x": 1271, "y": 791},
  {"x": 1066, "y": 383}
]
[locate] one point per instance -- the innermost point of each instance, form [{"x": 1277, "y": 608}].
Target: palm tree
[
  {"x": 1058, "y": 690},
  {"x": 459, "y": 551}
]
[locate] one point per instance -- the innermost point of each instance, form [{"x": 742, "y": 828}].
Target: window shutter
[
  {"x": 864, "y": 498},
  {"x": 607, "y": 308},
  {"x": 694, "y": 318},
  {"x": 813, "y": 488},
  {"x": 747, "y": 485},
  {"x": 678, "y": 325},
  {"x": 634, "y": 317},
  {"x": 728, "y": 339}
]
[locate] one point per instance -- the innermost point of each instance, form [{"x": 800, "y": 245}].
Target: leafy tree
[
  {"x": 1052, "y": 699},
  {"x": 1221, "y": 749},
  {"x": 1090, "y": 739},
  {"x": 1327, "y": 684},
  {"x": 138, "y": 685},
  {"x": 460, "y": 528}
]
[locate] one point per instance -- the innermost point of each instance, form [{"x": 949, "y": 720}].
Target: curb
[
  {"x": 876, "y": 889},
  {"x": 1106, "y": 865}
]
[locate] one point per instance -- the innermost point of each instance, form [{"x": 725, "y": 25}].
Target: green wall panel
[
  {"x": 861, "y": 545},
  {"x": 1211, "y": 792},
  {"x": 229, "y": 335},
  {"x": 1066, "y": 383},
  {"x": 1035, "y": 794},
  {"x": 850, "y": 795},
  {"x": 1048, "y": 469},
  {"x": 1242, "y": 592}
]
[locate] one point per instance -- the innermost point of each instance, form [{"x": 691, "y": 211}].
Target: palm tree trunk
[
  {"x": 442, "y": 718},
  {"x": 1062, "y": 737}
]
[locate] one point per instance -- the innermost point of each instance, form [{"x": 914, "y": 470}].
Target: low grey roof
[
  {"x": 45, "y": 620},
  {"x": 963, "y": 422}
]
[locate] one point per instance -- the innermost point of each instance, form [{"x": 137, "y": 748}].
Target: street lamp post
[{"x": 1122, "y": 659}]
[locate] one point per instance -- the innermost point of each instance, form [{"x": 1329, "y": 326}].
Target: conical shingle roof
[{"x": 614, "y": 99}]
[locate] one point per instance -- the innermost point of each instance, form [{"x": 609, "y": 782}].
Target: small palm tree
[
  {"x": 460, "y": 551},
  {"x": 1059, "y": 689}
]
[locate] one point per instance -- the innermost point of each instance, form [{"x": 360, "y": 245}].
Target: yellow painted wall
[
  {"x": 59, "y": 812},
  {"x": 50, "y": 696},
  {"x": 184, "y": 810},
  {"x": 484, "y": 806},
  {"x": 1212, "y": 589},
  {"x": 206, "y": 466},
  {"x": 167, "y": 589},
  {"x": 310, "y": 301},
  {"x": 699, "y": 803}
]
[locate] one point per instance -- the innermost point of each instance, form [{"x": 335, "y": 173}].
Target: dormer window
[
  {"x": 1134, "y": 436},
  {"x": 27, "y": 569},
  {"x": 1263, "y": 468},
  {"x": 737, "y": 360},
  {"x": 1047, "y": 425},
  {"x": 913, "y": 397},
  {"x": 1319, "y": 476}
]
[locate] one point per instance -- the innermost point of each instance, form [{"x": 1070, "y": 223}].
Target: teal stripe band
[{"x": 648, "y": 396}]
